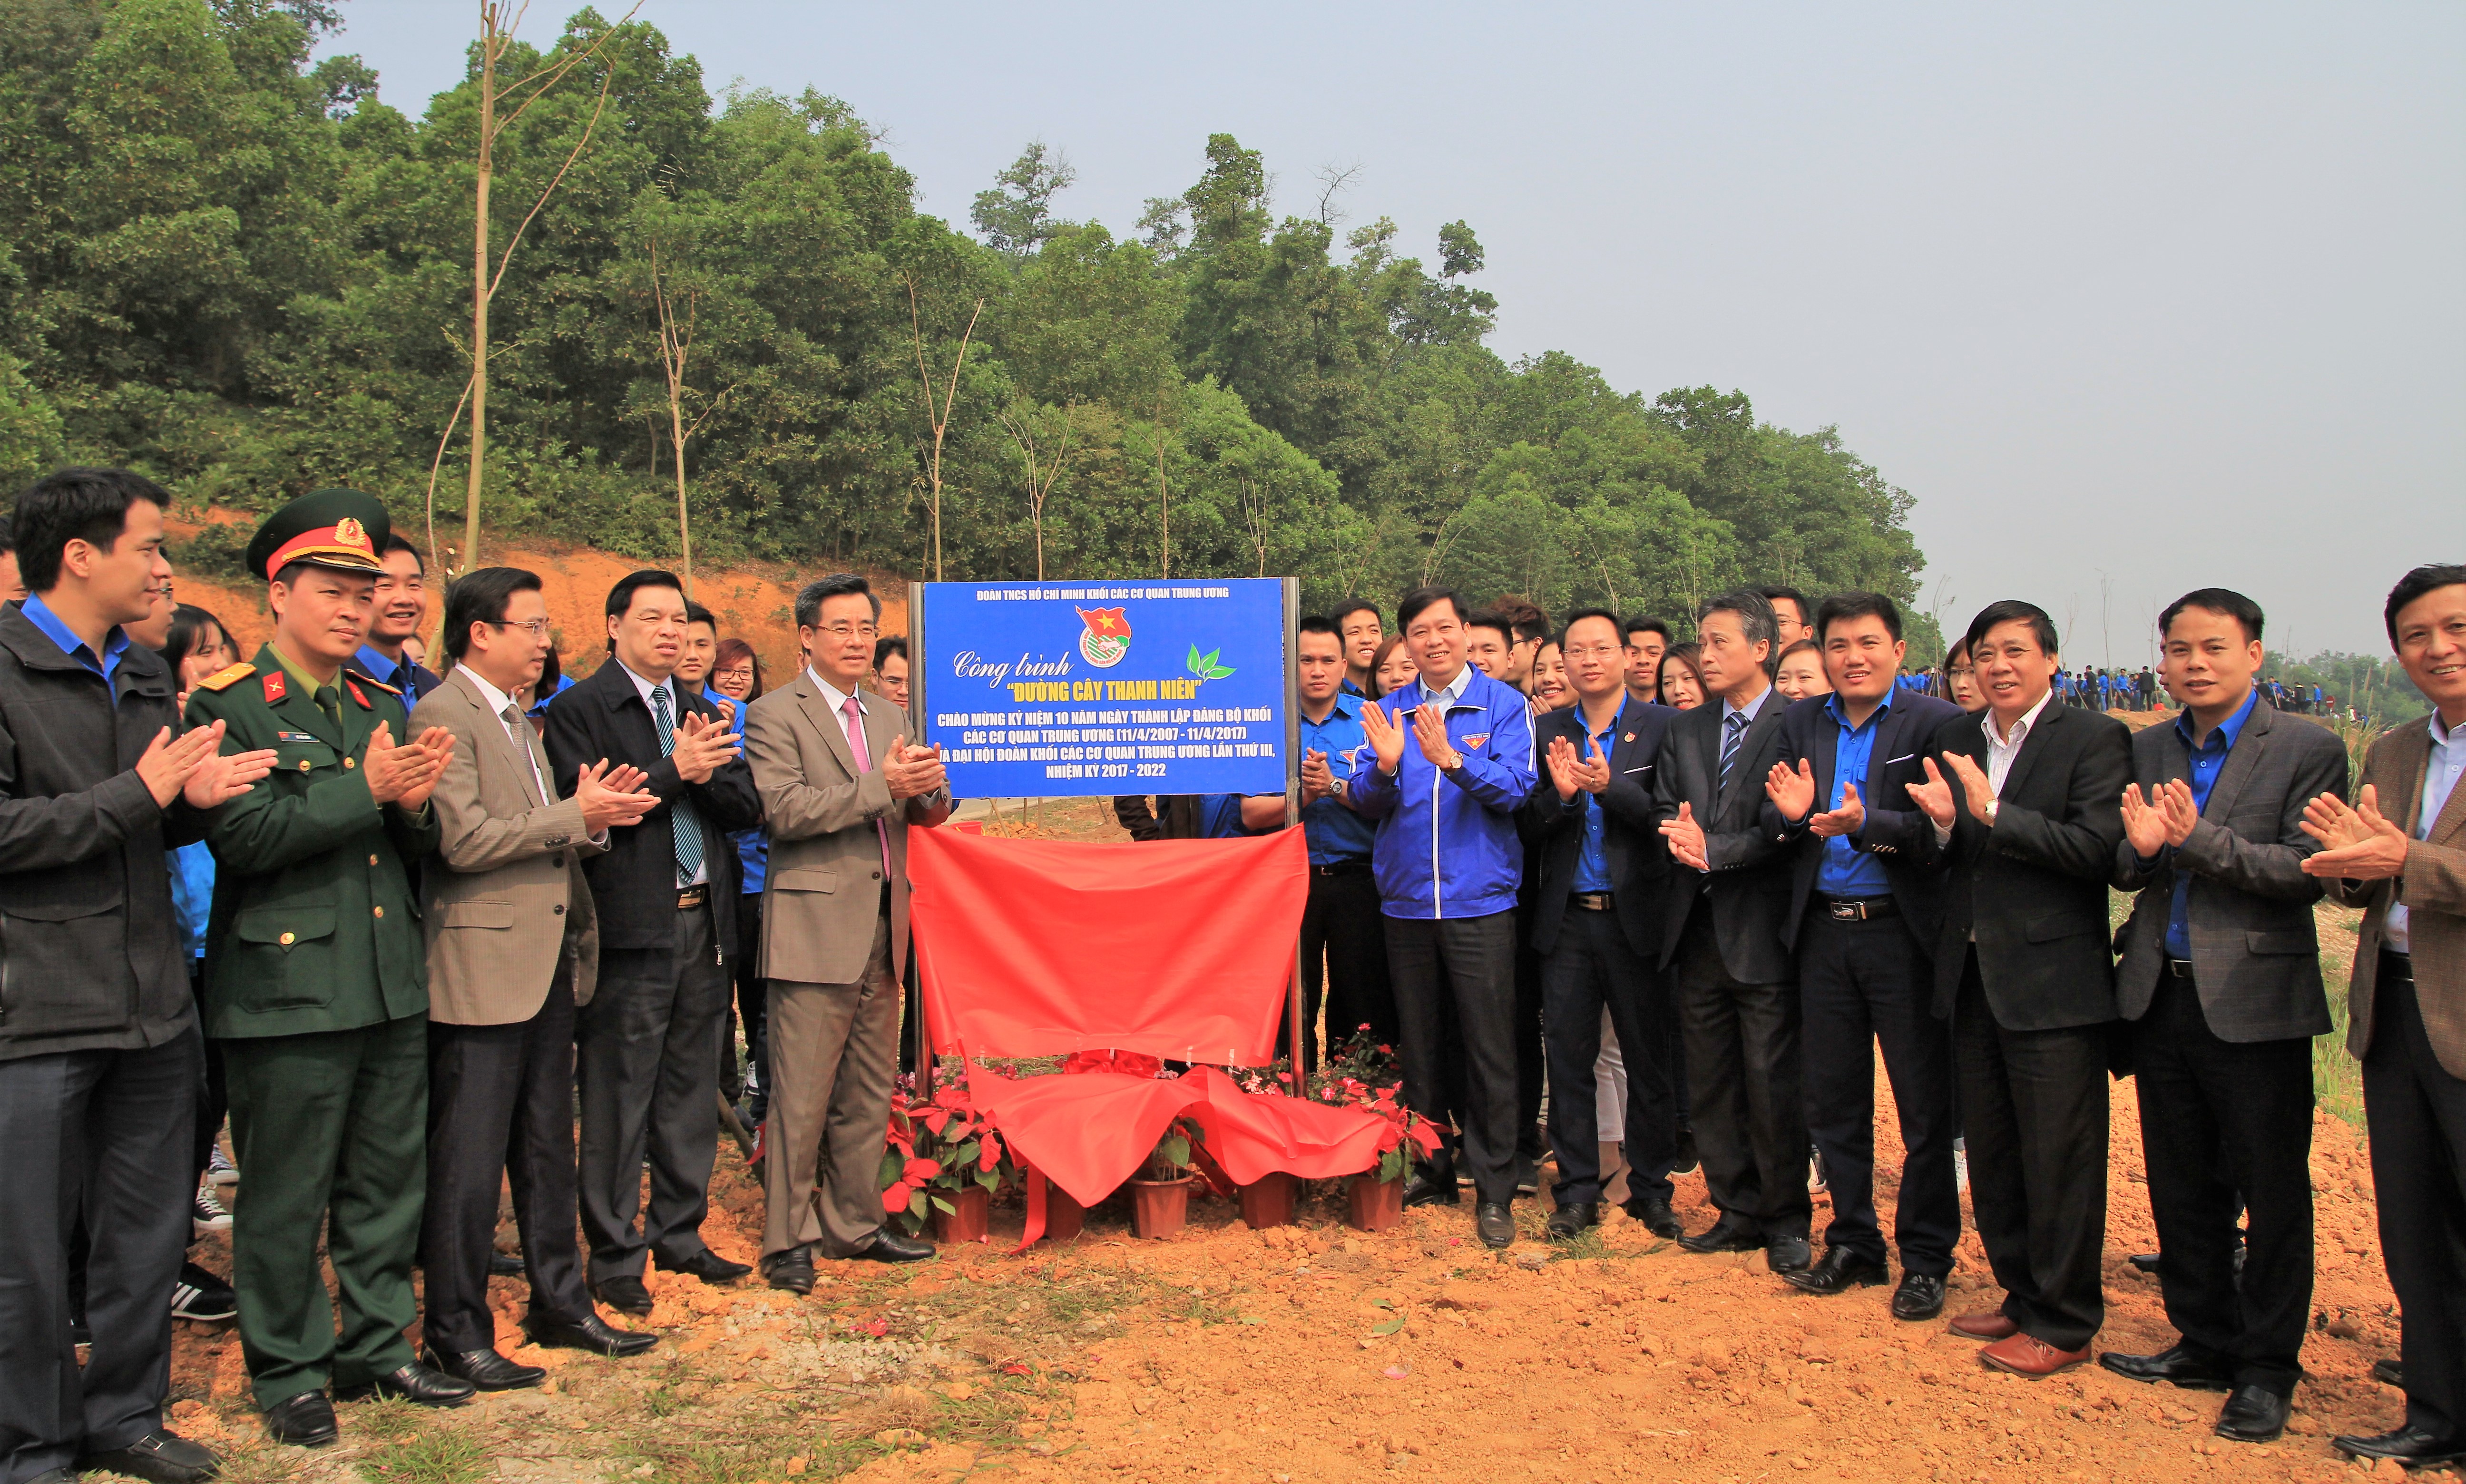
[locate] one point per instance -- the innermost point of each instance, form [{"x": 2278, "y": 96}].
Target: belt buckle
[
  {"x": 1847, "y": 911},
  {"x": 692, "y": 897}
]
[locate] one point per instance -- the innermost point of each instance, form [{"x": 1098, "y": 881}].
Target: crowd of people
[{"x": 423, "y": 937}]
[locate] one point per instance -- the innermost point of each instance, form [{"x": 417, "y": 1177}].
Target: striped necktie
[
  {"x": 681, "y": 817},
  {"x": 1734, "y": 727}
]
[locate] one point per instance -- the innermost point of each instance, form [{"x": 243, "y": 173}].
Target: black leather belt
[
  {"x": 1860, "y": 909},
  {"x": 1590, "y": 901},
  {"x": 1341, "y": 868},
  {"x": 691, "y": 897},
  {"x": 2395, "y": 965}
]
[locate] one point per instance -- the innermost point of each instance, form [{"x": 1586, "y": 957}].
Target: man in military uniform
[{"x": 316, "y": 978}]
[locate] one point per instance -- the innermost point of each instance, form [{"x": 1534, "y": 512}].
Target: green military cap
[{"x": 341, "y": 528}]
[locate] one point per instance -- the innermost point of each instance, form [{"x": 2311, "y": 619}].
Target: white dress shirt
[
  {"x": 838, "y": 700},
  {"x": 517, "y": 730},
  {"x": 2001, "y": 750},
  {"x": 2439, "y": 780},
  {"x": 677, "y": 717}
]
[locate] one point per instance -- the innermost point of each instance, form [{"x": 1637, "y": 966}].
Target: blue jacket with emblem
[{"x": 1447, "y": 847}]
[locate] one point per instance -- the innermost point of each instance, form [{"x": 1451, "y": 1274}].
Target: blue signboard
[{"x": 1104, "y": 687}]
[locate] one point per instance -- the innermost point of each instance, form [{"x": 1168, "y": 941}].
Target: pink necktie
[{"x": 855, "y": 716}]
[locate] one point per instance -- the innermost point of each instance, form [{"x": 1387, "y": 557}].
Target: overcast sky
[{"x": 2133, "y": 298}]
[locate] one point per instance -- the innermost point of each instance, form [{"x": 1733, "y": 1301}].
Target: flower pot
[
  {"x": 1376, "y": 1204},
  {"x": 1269, "y": 1201},
  {"x": 967, "y": 1222},
  {"x": 1159, "y": 1207},
  {"x": 1064, "y": 1217}
]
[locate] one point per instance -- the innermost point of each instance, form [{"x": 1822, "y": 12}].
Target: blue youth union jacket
[{"x": 1447, "y": 847}]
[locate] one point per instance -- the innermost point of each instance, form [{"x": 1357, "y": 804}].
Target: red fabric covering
[
  {"x": 1255, "y": 1134},
  {"x": 1085, "y": 1134},
  {"x": 1177, "y": 948}
]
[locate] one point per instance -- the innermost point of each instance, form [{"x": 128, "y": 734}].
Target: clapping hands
[
  {"x": 2358, "y": 842},
  {"x": 702, "y": 745},
  {"x": 913, "y": 771}
]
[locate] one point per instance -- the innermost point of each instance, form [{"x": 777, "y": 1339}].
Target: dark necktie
[
  {"x": 1734, "y": 727},
  {"x": 681, "y": 817},
  {"x": 329, "y": 701}
]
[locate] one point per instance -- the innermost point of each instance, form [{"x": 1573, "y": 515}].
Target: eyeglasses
[
  {"x": 536, "y": 628},
  {"x": 1592, "y": 651},
  {"x": 843, "y": 631},
  {"x": 736, "y": 672}
]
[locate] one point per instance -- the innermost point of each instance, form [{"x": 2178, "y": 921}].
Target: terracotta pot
[
  {"x": 966, "y": 1222},
  {"x": 1064, "y": 1217},
  {"x": 1159, "y": 1207},
  {"x": 1269, "y": 1201},
  {"x": 1376, "y": 1204}
]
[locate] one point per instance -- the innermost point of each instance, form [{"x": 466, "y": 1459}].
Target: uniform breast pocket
[
  {"x": 305, "y": 758},
  {"x": 281, "y": 958}
]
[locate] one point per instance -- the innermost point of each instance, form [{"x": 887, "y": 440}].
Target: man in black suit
[
  {"x": 2220, "y": 979},
  {"x": 1863, "y": 918},
  {"x": 1721, "y": 940},
  {"x": 665, "y": 896},
  {"x": 1597, "y": 924},
  {"x": 2026, "y": 804}
]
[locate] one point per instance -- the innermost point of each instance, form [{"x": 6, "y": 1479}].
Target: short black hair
[
  {"x": 696, "y": 613},
  {"x": 7, "y": 535},
  {"x": 75, "y": 505},
  {"x": 1319, "y": 623},
  {"x": 1602, "y": 614},
  {"x": 1776, "y": 593},
  {"x": 2413, "y": 585},
  {"x": 394, "y": 542},
  {"x": 2220, "y": 600},
  {"x": 1858, "y": 605},
  {"x": 187, "y": 622},
  {"x": 888, "y": 645},
  {"x": 2013, "y": 610},
  {"x": 839, "y": 584},
  {"x": 480, "y": 597},
  {"x": 1412, "y": 604},
  {"x": 1640, "y": 624},
  {"x": 1348, "y": 608},
  {"x": 1801, "y": 647},
  {"x": 1755, "y": 610},
  {"x": 1526, "y": 623},
  {"x": 621, "y": 597},
  {"x": 1499, "y": 623}
]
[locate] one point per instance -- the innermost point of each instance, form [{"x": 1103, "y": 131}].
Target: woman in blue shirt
[{"x": 736, "y": 682}]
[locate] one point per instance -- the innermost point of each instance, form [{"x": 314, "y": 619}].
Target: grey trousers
[{"x": 833, "y": 1052}]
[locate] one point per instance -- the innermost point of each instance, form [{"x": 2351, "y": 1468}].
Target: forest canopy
[{"x": 245, "y": 273}]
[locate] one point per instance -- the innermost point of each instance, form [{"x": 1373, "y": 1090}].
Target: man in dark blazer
[
  {"x": 2025, "y": 800},
  {"x": 1863, "y": 919},
  {"x": 665, "y": 896},
  {"x": 2220, "y": 979},
  {"x": 1597, "y": 922},
  {"x": 1721, "y": 940}
]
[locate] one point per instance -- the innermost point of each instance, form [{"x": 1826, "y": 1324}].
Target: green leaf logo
[{"x": 1204, "y": 666}]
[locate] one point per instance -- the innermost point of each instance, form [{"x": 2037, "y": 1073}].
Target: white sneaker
[
  {"x": 219, "y": 1170},
  {"x": 211, "y": 1215},
  {"x": 1959, "y": 1164}
]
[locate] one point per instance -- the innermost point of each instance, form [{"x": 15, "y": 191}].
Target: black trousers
[
  {"x": 1862, "y": 984},
  {"x": 648, "y": 1064},
  {"x": 213, "y": 1097},
  {"x": 752, "y": 1000},
  {"x": 2417, "y": 1113},
  {"x": 500, "y": 1109},
  {"x": 1590, "y": 968},
  {"x": 2251, "y": 1101},
  {"x": 2034, "y": 1103},
  {"x": 1344, "y": 963},
  {"x": 1750, "y": 1108},
  {"x": 106, "y": 1134},
  {"x": 1532, "y": 1064},
  {"x": 1460, "y": 973}
]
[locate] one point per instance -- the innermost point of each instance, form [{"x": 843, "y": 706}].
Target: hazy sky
[{"x": 2133, "y": 298}]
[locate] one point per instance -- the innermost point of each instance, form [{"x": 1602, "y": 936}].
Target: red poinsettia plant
[
  {"x": 937, "y": 1147},
  {"x": 1407, "y": 1136}
]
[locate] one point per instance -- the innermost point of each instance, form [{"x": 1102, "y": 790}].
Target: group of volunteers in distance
[{"x": 400, "y": 926}]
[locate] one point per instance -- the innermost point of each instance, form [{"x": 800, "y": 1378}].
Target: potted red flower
[
  {"x": 1378, "y": 1194},
  {"x": 1160, "y": 1194},
  {"x": 942, "y": 1162}
]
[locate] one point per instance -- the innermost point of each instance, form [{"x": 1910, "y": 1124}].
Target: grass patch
[{"x": 428, "y": 1456}]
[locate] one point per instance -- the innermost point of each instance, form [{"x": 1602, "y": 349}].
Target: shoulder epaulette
[
  {"x": 370, "y": 680},
  {"x": 225, "y": 679}
]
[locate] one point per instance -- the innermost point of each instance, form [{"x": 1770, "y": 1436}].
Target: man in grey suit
[
  {"x": 840, "y": 782},
  {"x": 2220, "y": 979},
  {"x": 1725, "y": 944},
  {"x": 514, "y": 949}
]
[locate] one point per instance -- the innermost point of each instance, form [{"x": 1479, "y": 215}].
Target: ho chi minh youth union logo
[{"x": 1107, "y": 638}]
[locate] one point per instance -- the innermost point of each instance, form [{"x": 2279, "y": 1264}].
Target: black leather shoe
[
  {"x": 2145, "y": 1262},
  {"x": 2175, "y": 1364},
  {"x": 1655, "y": 1214},
  {"x": 2388, "y": 1373},
  {"x": 1494, "y": 1223},
  {"x": 2254, "y": 1414},
  {"x": 1427, "y": 1190},
  {"x": 414, "y": 1383},
  {"x": 589, "y": 1333},
  {"x": 2410, "y": 1446},
  {"x": 709, "y": 1266},
  {"x": 1787, "y": 1253},
  {"x": 1837, "y": 1272},
  {"x": 1570, "y": 1219},
  {"x": 1729, "y": 1235},
  {"x": 506, "y": 1265},
  {"x": 1920, "y": 1297},
  {"x": 623, "y": 1293},
  {"x": 303, "y": 1421},
  {"x": 485, "y": 1369},
  {"x": 890, "y": 1246},
  {"x": 791, "y": 1269},
  {"x": 163, "y": 1457}
]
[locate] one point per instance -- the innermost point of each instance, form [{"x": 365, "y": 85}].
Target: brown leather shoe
[
  {"x": 1985, "y": 1324},
  {"x": 2030, "y": 1358}
]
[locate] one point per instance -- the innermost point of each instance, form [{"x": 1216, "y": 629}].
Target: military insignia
[
  {"x": 293, "y": 737},
  {"x": 1629, "y": 737},
  {"x": 275, "y": 687},
  {"x": 353, "y": 686},
  {"x": 226, "y": 678},
  {"x": 1477, "y": 739},
  {"x": 370, "y": 680},
  {"x": 350, "y": 533}
]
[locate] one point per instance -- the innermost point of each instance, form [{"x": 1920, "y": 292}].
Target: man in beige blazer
[
  {"x": 2400, "y": 854},
  {"x": 512, "y": 950},
  {"x": 840, "y": 784}
]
